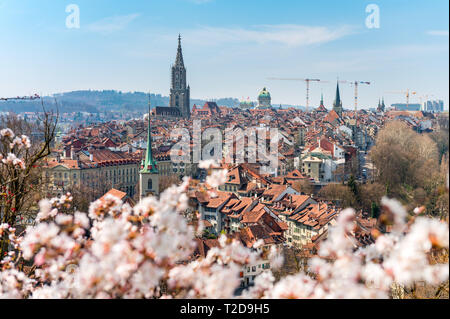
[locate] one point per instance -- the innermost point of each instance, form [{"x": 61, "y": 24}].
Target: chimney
[{"x": 72, "y": 153}]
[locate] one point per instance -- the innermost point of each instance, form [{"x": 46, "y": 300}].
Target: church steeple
[
  {"x": 337, "y": 106},
  {"x": 338, "y": 95},
  {"x": 149, "y": 164},
  {"x": 179, "y": 60},
  {"x": 148, "y": 175},
  {"x": 381, "y": 105}
]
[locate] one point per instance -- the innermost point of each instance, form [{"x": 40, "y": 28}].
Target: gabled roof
[
  {"x": 222, "y": 198},
  {"x": 67, "y": 163},
  {"x": 254, "y": 215},
  {"x": 118, "y": 194},
  {"x": 234, "y": 176},
  {"x": 331, "y": 117},
  {"x": 203, "y": 246},
  {"x": 315, "y": 215},
  {"x": 114, "y": 192},
  {"x": 295, "y": 174},
  {"x": 321, "y": 108}
]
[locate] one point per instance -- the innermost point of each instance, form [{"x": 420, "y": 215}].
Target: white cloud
[
  {"x": 438, "y": 33},
  {"x": 287, "y": 34},
  {"x": 112, "y": 24}
]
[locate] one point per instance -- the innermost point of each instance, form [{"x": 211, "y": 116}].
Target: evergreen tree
[
  {"x": 353, "y": 186},
  {"x": 374, "y": 210}
]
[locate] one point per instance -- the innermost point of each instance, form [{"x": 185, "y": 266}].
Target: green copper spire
[
  {"x": 321, "y": 98},
  {"x": 148, "y": 164}
]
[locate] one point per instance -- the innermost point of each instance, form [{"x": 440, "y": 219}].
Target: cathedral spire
[
  {"x": 180, "y": 91},
  {"x": 337, "y": 106},
  {"x": 338, "y": 95},
  {"x": 148, "y": 164},
  {"x": 179, "y": 60}
]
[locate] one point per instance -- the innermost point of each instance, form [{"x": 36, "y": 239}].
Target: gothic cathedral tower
[
  {"x": 179, "y": 92},
  {"x": 148, "y": 175}
]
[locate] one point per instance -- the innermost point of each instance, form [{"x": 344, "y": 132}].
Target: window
[{"x": 149, "y": 184}]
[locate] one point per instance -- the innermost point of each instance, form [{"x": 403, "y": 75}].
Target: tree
[
  {"x": 370, "y": 194},
  {"x": 21, "y": 165},
  {"x": 338, "y": 193},
  {"x": 353, "y": 186},
  {"x": 403, "y": 159},
  {"x": 303, "y": 186},
  {"x": 352, "y": 167},
  {"x": 148, "y": 251},
  {"x": 374, "y": 210},
  {"x": 441, "y": 138}
]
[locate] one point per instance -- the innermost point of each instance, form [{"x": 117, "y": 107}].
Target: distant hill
[{"x": 100, "y": 101}]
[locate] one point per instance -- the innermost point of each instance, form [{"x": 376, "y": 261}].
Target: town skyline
[
  {"x": 235, "y": 150},
  {"x": 132, "y": 52}
]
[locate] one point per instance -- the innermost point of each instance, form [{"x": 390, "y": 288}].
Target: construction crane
[
  {"x": 33, "y": 97},
  {"x": 355, "y": 84},
  {"x": 304, "y": 80},
  {"x": 407, "y": 93}
]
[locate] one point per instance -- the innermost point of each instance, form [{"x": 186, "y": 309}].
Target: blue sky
[{"x": 230, "y": 47}]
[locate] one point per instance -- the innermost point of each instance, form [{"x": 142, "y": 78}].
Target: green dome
[{"x": 264, "y": 93}]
